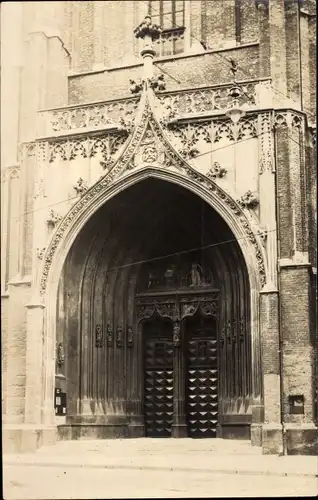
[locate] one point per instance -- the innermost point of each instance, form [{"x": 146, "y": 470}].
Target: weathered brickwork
[
  {"x": 114, "y": 83},
  {"x": 297, "y": 348},
  {"x": 65, "y": 54},
  {"x": 292, "y": 51},
  {"x": 283, "y": 193},
  {"x": 248, "y": 13}
]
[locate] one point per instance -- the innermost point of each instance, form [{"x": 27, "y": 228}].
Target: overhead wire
[{"x": 182, "y": 252}]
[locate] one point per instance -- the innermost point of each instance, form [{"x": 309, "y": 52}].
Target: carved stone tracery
[
  {"x": 176, "y": 334},
  {"x": 86, "y": 147},
  {"x": 216, "y": 171},
  {"x": 178, "y": 309},
  {"x": 53, "y": 218},
  {"x": 109, "y": 335},
  {"x": 248, "y": 200},
  {"x": 99, "y": 338},
  {"x": 124, "y": 162},
  {"x": 130, "y": 336},
  {"x": 92, "y": 116},
  {"x": 266, "y": 160},
  {"x": 80, "y": 187},
  {"x": 119, "y": 336}
]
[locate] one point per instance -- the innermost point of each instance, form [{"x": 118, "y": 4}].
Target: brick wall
[
  {"x": 270, "y": 355},
  {"x": 264, "y": 41},
  {"x": 218, "y": 23},
  {"x": 205, "y": 69},
  {"x": 249, "y": 31},
  {"x": 295, "y": 332},
  {"x": 312, "y": 67},
  {"x": 16, "y": 352},
  {"x": 283, "y": 197}
]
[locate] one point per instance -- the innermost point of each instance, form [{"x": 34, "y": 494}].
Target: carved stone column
[
  {"x": 148, "y": 32},
  {"x": 272, "y": 436},
  {"x": 34, "y": 362},
  {"x": 137, "y": 424},
  {"x": 268, "y": 196},
  {"x": 179, "y": 424}
]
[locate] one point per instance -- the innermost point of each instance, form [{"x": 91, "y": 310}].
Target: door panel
[
  {"x": 202, "y": 383},
  {"x": 158, "y": 379}
]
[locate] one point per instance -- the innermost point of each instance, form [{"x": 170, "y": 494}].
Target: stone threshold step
[{"x": 160, "y": 468}]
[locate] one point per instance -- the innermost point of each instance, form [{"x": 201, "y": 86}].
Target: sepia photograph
[{"x": 159, "y": 249}]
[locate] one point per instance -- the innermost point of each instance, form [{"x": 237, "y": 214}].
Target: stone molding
[
  {"x": 149, "y": 123},
  {"x": 177, "y": 311}
]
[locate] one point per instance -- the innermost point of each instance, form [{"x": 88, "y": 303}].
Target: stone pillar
[
  {"x": 179, "y": 424},
  {"x": 272, "y": 435},
  {"x": 137, "y": 425},
  {"x": 34, "y": 433},
  {"x": 298, "y": 369},
  {"x": 34, "y": 349},
  {"x": 294, "y": 286},
  {"x": 264, "y": 38},
  {"x": 13, "y": 420},
  {"x": 148, "y": 32},
  {"x": 278, "y": 48},
  {"x": 267, "y": 190}
]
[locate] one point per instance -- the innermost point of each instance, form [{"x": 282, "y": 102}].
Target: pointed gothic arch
[{"x": 130, "y": 168}]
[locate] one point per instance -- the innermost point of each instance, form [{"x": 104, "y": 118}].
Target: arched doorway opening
[{"x": 155, "y": 254}]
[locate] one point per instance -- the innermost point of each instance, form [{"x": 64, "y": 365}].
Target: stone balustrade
[{"x": 101, "y": 116}]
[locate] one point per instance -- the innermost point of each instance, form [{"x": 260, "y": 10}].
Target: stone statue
[
  {"x": 196, "y": 275},
  {"x": 60, "y": 355},
  {"x": 99, "y": 336},
  {"x": 176, "y": 334}
]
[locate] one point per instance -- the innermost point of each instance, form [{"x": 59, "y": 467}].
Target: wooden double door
[{"x": 181, "y": 379}]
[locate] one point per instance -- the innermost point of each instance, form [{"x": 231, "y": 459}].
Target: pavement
[{"x": 149, "y": 468}]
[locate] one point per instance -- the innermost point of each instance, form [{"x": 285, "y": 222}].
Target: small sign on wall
[
  {"x": 296, "y": 404},
  {"x": 60, "y": 402}
]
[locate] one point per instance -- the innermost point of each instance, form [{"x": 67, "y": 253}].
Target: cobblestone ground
[{"x": 148, "y": 468}]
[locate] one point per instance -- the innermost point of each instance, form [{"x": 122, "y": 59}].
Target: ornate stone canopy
[{"x": 149, "y": 152}]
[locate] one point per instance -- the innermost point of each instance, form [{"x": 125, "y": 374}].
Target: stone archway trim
[{"x": 120, "y": 177}]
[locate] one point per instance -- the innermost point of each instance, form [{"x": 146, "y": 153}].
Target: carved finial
[
  {"x": 40, "y": 252},
  {"x": 80, "y": 187},
  {"x": 53, "y": 218},
  {"x": 148, "y": 29},
  {"x": 135, "y": 88},
  {"x": 158, "y": 83},
  {"x": 216, "y": 171},
  {"x": 248, "y": 200},
  {"x": 148, "y": 32}
]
